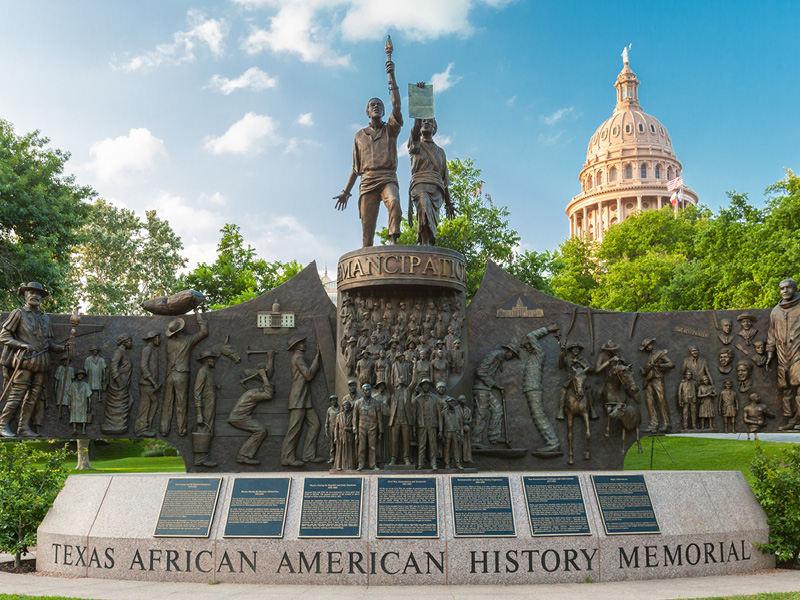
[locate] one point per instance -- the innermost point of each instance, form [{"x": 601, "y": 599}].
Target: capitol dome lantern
[{"x": 628, "y": 165}]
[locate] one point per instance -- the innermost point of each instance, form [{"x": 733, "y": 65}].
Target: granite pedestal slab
[{"x": 102, "y": 526}]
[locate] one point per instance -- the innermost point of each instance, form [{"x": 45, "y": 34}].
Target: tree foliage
[
  {"x": 30, "y": 480},
  {"x": 690, "y": 260},
  {"x": 41, "y": 211},
  {"x": 122, "y": 261},
  {"x": 777, "y": 488},
  {"x": 238, "y": 274}
]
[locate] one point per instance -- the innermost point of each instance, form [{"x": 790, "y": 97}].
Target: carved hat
[
  {"x": 80, "y": 372},
  {"x": 511, "y": 348},
  {"x": 150, "y": 335},
  {"x": 352, "y": 382},
  {"x": 441, "y": 385},
  {"x": 425, "y": 380},
  {"x": 122, "y": 338},
  {"x": 296, "y": 340},
  {"x": 33, "y": 286},
  {"x": 744, "y": 316},
  {"x": 609, "y": 345},
  {"x": 64, "y": 356},
  {"x": 352, "y": 340},
  {"x": 646, "y": 342},
  {"x": 572, "y": 345},
  {"x": 210, "y": 353},
  {"x": 439, "y": 343},
  {"x": 334, "y": 397},
  {"x": 175, "y": 326},
  {"x": 94, "y": 347}
]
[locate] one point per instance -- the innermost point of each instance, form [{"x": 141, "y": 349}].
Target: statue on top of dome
[{"x": 625, "y": 54}]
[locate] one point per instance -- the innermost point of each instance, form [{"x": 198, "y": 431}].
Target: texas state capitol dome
[{"x": 628, "y": 164}]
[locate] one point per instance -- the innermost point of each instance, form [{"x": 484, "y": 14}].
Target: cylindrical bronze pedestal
[{"x": 401, "y": 299}]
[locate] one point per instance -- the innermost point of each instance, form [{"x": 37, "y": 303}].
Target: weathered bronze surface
[{"x": 557, "y": 360}]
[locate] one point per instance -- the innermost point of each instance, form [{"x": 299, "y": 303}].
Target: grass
[
  {"x": 123, "y": 456},
  {"x": 698, "y": 454}
]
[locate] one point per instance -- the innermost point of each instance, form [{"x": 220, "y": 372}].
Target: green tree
[
  {"x": 30, "y": 480},
  {"x": 41, "y": 210},
  {"x": 480, "y": 230},
  {"x": 238, "y": 274},
  {"x": 122, "y": 261},
  {"x": 574, "y": 268},
  {"x": 777, "y": 488}
]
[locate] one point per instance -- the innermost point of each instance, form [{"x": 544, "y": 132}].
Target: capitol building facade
[{"x": 628, "y": 164}]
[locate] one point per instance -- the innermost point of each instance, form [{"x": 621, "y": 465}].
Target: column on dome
[
  {"x": 619, "y": 210},
  {"x": 658, "y": 201},
  {"x": 584, "y": 222},
  {"x": 639, "y": 203}
]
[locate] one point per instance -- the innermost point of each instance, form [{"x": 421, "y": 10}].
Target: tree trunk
[
  {"x": 83, "y": 456},
  {"x": 17, "y": 560}
]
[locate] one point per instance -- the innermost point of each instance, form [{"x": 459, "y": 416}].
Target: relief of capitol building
[{"x": 628, "y": 164}]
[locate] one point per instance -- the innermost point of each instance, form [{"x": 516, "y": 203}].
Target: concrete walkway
[{"x": 700, "y": 587}]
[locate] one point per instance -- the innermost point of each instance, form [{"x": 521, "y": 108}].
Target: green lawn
[
  {"x": 124, "y": 456},
  {"x": 698, "y": 454}
]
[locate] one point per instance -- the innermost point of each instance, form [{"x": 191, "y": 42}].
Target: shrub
[
  {"x": 158, "y": 448},
  {"x": 30, "y": 480},
  {"x": 777, "y": 487}
]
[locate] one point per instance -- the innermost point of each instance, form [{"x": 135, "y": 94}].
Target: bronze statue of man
[
  {"x": 148, "y": 386},
  {"x": 654, "y": 393},
  {"x": 369, "y": 428},
  {"x": 375, "y": 161},
  {"x": 176, "y": 390},
  {"x": 301, "y": 409},
  {"x": 430, "y": 183},
  {"x": 27, "y": 339},
  {"x": 783, "y": 341}
]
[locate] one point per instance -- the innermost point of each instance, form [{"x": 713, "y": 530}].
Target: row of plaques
[{"x": 407, "y": 506}]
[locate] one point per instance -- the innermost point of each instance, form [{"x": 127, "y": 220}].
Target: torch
[{"x": 389, "y": 48}]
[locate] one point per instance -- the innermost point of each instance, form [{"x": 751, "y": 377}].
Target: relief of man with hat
[{"x": 27, "y": 339}]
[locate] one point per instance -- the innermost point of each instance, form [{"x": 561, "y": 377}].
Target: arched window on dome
[
  {"x": 628, "y": 128},
  {"x": 628, "y": 171},
  {"x": 600, "y": 178},
  {"x": 615, "y": 131},
  {"x": 612, "y": 174},
  {"x": 644, "y": 171},
  {"x": 658, "y": 171},
  {"x": 589, "y": 182},
  {"x": 641, "y": 128},
  {"x": 669, "y": 172}
]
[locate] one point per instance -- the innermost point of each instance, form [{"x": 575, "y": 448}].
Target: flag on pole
[
  {"x": 675, "y": 200},
  {"x": 673, "y": 184}
]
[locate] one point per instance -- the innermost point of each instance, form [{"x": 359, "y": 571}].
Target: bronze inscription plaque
[
  {"x": 188, "y": 507},
  {"x": 407, "y": 508},
  {"x": 482, "y": 507},
  {"x": 331, "y": 507}
]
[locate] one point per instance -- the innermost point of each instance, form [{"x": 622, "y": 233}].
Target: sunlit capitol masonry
[{"x": 630, "y": 166}]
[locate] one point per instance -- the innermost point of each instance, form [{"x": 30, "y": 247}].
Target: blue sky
[{"x": 244, "y": 111}]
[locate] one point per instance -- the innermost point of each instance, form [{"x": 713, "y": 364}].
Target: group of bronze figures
[{"x": 406, "y": 338}]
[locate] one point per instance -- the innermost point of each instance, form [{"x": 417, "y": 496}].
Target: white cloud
[
  {"x": 510, "y": 101},
  {"x": 443, "y": 140},
  {"x": 306, "y": 119},
  {"x": 254, "y": 78},
  {"x": 445, "y": 80},
  {"x": 550, "y": 140},
  {"x": 216, "y": 199},
  {"x": 419, "y": 20},
  {"x": 274, "y": 235},
  {"x": 248, "y": 135},
  {"x": 202, "y": 31},
  {"x": 297, "y": 28},
  {"x": 197, "y": 225},
  {"x": 558, "y": 115},
  {"x": 135, "y": 153},
  {"x": 291, "y": 146},
  {"x": 308, "y": 28}
]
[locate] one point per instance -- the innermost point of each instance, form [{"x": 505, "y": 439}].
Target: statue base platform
[{"x": 102, "y": 526}]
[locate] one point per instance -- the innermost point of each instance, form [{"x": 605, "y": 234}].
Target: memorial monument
[{"x": 527, "y": 370}]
